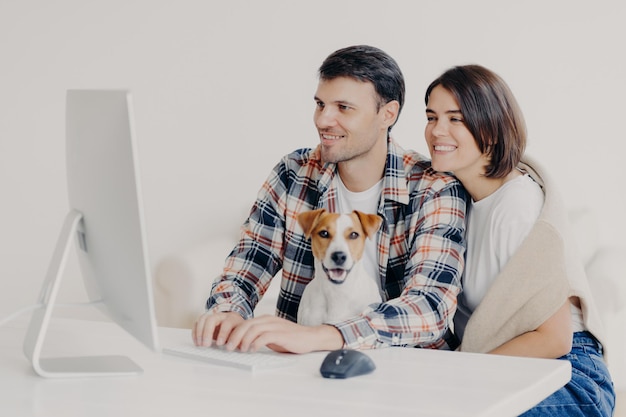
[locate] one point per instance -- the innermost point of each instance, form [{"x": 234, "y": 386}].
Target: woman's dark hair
[
  {"x": 368, "y": 64},
  {"x": 490, "y": 113}
]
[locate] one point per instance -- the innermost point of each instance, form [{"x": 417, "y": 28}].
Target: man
[{"x": 418, "y": 252}]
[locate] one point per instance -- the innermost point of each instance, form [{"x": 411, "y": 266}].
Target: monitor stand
[{"x": 85, "y": 366}]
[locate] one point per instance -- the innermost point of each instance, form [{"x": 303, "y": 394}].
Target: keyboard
[{"x": 251, "y": 361}]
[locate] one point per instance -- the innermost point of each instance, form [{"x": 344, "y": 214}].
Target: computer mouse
[{"x": 346, "y": 363}]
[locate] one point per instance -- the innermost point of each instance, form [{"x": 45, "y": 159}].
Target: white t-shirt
[
  {"x": 367, "y": 202},
  {"x": 496, "y": 227}
]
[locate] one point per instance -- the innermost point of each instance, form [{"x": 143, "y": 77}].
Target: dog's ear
[
  {"x": 308, "y": 219},
  {"x": 370, "y": 222}
]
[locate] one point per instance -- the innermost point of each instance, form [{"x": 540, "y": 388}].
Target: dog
[{"x": 341, "y": 288}]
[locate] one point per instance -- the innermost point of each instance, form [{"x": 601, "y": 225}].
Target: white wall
[{"x": 223, "y": 89}]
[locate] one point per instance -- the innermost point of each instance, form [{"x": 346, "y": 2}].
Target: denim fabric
[{"x": 590, "y": 391}]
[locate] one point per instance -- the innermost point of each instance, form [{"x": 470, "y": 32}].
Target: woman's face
[{"x": 451, "y": 145}]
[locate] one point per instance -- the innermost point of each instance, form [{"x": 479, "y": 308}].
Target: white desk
[{"x": 407, "y": 382}]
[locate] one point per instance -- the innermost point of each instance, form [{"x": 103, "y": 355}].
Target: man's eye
[
  {"x": 343, "y": 107},
  {"x": 430, "y": 118},
  {"x": 353, "y": 236},
  {"x": 324, "y": 234},
  {"x": 319, "y": 104}
]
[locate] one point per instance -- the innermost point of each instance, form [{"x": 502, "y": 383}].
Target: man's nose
[{"x": 325, "y": 118}]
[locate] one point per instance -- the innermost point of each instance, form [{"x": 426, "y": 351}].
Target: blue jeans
[{"x": 589, "y": 392}]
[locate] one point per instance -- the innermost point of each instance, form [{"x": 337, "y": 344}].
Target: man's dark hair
[{"x": 368, "y": 64}]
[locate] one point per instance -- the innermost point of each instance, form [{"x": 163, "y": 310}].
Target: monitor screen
[{"x": 105, "y": 226}]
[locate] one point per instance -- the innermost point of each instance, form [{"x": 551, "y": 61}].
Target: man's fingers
[
  {"x": 202, "y": 331},
  {"x": 224, "y": 333},
  {"x": 214, "y": 326}
]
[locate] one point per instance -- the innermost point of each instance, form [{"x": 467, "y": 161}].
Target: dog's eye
[
  {"x": 353, "y": 236},
  {"x": 324, "y": 234}
]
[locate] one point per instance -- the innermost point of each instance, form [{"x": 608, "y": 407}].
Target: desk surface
[{"x": 407, "y": 381}]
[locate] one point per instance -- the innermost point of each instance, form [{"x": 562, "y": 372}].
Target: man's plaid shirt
[{"x": 421, "y": 247}]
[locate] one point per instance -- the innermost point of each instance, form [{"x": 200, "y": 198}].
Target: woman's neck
[{"x": 479, "y": 186}]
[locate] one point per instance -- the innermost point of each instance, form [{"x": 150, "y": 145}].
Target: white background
[{"x": 223, "y": 89}]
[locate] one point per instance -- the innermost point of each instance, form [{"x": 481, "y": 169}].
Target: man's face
[{"x": 347, "y": 119}]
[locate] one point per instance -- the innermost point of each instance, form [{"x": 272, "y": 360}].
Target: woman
[{"x": 524, "y": 291}]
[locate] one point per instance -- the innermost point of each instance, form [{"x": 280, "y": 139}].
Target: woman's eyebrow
[{"x": 447, "y": 112}]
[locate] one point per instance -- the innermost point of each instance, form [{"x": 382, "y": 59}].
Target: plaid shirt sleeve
[
  {"x": 269, "y": 242},
  {"x": 430, "y": 244}
]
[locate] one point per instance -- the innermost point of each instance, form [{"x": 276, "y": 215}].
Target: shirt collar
[{"x": 397, "y": 169}]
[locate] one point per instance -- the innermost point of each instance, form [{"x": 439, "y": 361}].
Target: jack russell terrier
[{"x": 341, "y": 288}]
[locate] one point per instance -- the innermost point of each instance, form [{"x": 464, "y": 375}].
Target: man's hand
[
  {"x": 216, "y": 327},
  {"x": 276, "y": 333}
]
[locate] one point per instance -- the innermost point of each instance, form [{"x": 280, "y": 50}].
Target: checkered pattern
[{"x": 420, "y": 247}]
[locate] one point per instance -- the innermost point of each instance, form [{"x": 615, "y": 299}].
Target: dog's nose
[{"x": 339, "y": 258}]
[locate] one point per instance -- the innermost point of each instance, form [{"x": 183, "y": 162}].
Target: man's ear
[{"x": 390, "y": 112}]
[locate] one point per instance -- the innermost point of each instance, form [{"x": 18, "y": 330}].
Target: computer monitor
[{"x": 105, "y": 225}]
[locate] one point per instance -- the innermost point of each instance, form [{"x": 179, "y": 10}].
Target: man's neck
[{"x": 362, "y": 173}]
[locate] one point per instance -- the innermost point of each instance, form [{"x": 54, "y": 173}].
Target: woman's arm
[{"x": 550, "y": 340}]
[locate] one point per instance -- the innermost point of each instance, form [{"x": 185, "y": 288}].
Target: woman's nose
[{"x": 439, "y": 128}]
